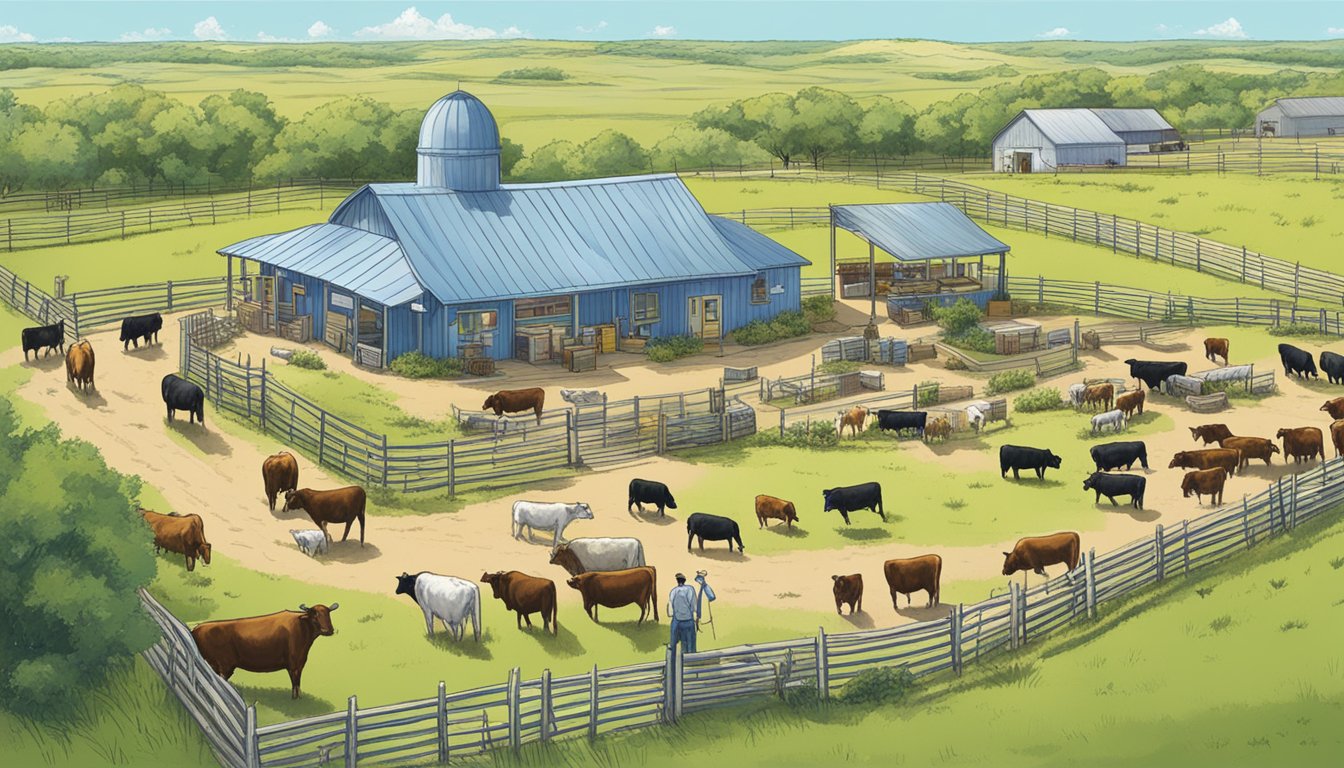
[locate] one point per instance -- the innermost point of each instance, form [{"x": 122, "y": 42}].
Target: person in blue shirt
[{"x": 682, "y": 606}]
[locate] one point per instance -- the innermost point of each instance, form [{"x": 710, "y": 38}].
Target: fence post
[
  {"x": 451, "y": 474},
  {"x": 515, "y": 733},
  {"x": 261, "y": 409},
  {"x": 169, "y": 285},
  {"x": 1090, "y": 578},
  {"x": 351, "y": 733},
  {"x": 1040, "y": 290},
  {"x": 1159, "y": 550},
  {"x": 1297, "y": 277},
  {"x": 956, "y": 637},
  {"x": 1096, "y": 298},
  {"x": 442, "y": 712},
  {"x": 1292, "y": 495},
  {"x": 781, "y": 422},
  {"x": 384, "y": 459},
  {"x": 251, "y": 756},
  {"x": 592, "y": 704},
  {"x": 679, "y": 677},
  {"x": 545, "y": 705},
  {"x": 662, "y": 433},
  {"x": 1115, "y": 230},
  {"x": 1014, "y": 614},
  {"x": 571, "y": 439},
  {"x": 1185, "y": 546},
  {"x": 823, "y": 668}
]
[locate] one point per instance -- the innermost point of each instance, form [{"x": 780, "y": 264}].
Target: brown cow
[
  {"x": 848, "y": 589},
  {"x": 1210, "y": 433},
  {"x": 1205, "y": 481},
  {"x": 343, "y": 505},
  {"x": 771, "y": 508},
  {"x": 1035, "y": 552},
  {"x": 1251, "y": 448},
  {"x": 614, "y": 589},
  {"x": 280, "y": 472},
  {"x": 267, "y": 643},
  {"x": 1302, "y": 443},
  {"x": 1227, "y": 458},
  {"x": 516, "y": 401},
  {"x": 1334, "y": 407},
  {"x": 183, "y": 534},
  {"x": 1131, "y": 402},
  {"x": 526, "y": 595},
  {"x": 1215, "y": 348},
  {"x": 911, "y": 574},
  {"x": 1337, "y": 435},
  {"x": 79, "y": 365},
  {"x": 937, "y": 428},
  {"x": 1099, "y": 394},
  {"x": 854, "y": 418}
]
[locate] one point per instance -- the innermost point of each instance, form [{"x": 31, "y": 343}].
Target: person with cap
[{"x": 681, "y": 607}]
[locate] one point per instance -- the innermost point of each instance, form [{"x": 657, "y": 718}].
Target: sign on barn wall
[{"x": 342, "y": 301}]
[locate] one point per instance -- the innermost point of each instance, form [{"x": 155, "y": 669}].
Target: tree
[
  {"x": 14, "y": 117},
  {"x": 826, "y": 121},
  {"x": 691, "y": 148},
  {"x": 771, "y": 121},
  {"x": 611, "y": 153},
  {"x": 510, "y": 153},
  {"x": 550, "y": 162},
  {"x": 48, "y": 155},
  {"x": 115, "y": 122},
  {"x": 349, "y": 138},
  {"x": 73, "y": 555},
  {"x": 244, "y": 125},
  {"x": 887, "y": 129}
]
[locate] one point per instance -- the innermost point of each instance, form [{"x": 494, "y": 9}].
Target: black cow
[
  {"x": 1297, "y": 361},
  {"x": 49, "y": 337},
  {"x": 1019, "y": 457},
  {"x": 1154, "y": 372},
  {"x": 713, "y": 527},
  {"x": 181, "y": 395},
  {"x": 852, "y": 498},
  {"x": 1333, "y": 365},
  {"x": 650, "y": 492},
  {"x": 1116, "y": 455},
  {"x": 137, "y": 327},
  {"x": 1110, "y": 486},
  {"x": 899, "y": 420}
]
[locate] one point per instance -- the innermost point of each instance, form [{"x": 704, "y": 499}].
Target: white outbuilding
[
  {"x": 1042, "y": 140},
  {"x": 1304, "y": 116}
]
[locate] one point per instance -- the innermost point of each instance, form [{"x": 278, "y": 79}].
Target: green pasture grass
[
  {"x": 365, "y": 404},
  {"x": 1236, "y": 665}
]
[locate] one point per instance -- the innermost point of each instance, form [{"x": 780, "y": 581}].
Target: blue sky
[{"x": 985, "y": 20}]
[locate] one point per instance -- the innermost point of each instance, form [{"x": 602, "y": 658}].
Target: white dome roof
[{"x": 458, "y": 122}]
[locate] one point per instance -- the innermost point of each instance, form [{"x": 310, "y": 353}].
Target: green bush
[
  {"x": 822, "y": 434},
  {"x": 74, "y": 554},
  {"x": 819, "y": 309},
  {"x": 1039, "y": 399},
  {"x": 669, "y": 348},
  {"x": 418, "y": 365},
  {"x": 959, "y": 318},
  {"x": 975, "y": 338},
  {"x": 305, "y": 359},
  {"x": 883, "y": 685},
  {"x": 754, "y": 334},
  {"x": 534, "y": 73},
  {"x": 928, "y": 393},
  {"x": 1296, "y": 329},
  {"x": 1007, "y": 381},
  {"x": 786, "y": 325},
  {"x": 840, "y": 366}
]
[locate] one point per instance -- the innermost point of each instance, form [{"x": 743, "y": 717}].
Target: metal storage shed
[
  {"x": 1304, "y": 116},
  {"x": 1045, "y": 139}
]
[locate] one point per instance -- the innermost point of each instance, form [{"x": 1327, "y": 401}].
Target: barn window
[
  {"x": 644, "y": 308},
  {"x": 472, "y": 323},
  {"x": 760, "y": 294}
]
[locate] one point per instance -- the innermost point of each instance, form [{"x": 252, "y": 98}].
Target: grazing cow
[
  {"x": 516, "y": 401},
  {"x": 137, "y": 327},
  {"x": 1302, "y": 443},
  {"x": 267, "y": 643},
  {"x": 312, "y": 542},
  {"x": 182, "y": 395},
  {"x": 703, "y": 526},
  {"x": 771, "y": 508},
  {"x": 1211, "y": 433},
  {"x": 1131, "y": 402},
  {"x": 1108, "y": 456},
  {"x": 43, "y": 337},
  {"x": 547, "y": 516},
  {"x": 1152, "y": 373},
  {"x": 1207, "y": 458},
  {"x": 908, "y": 575},
  {"x": 938, "y": 429},
  {"x": 1215, "y": 348},
  {"x": 615, "y": 589},
  {"x": 854, "y": 418},
  {"x": 1333, "y": 365},
  {"x": 447, "y": 598},
  {"x": 279, "y": 473},
  {"x": 183, "y": 534},
  {"x": 526, "y": 595},
  {"x": 1205, "y": 481},
  {"x": 848, "y": 589},
  {"x": 1099, "y": 395},
  {"x": 649, "y": 492},
  {"x": 343, "y": 505},
  {"x": 1019, "y": 457},
  {"x": 1297, "y": 361},
  {"x": 1337, "y": 436},
  {"x": 975, "y": 417},
  {"x": 1251, "y": 448},
  {"x": 1113, "y": 419},
  {"x": 1110, "y": 486},
  {"x": 1334, "y": 407},
  {"x": 1076, "y": 394},
  {"x": 598, "y": 554},
  {"x": 852, "y": 498},
  {"x": 79, "y": 365},
  {"x": 899, "y": 421},
  {"x": 1033, "y": 553}
]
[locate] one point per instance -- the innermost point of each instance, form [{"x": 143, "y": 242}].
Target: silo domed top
[{"x": 458, "y": 123}]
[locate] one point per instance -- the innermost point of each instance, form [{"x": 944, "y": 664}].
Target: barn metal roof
[
  {"x": 755, "y": 249},
  {"x": 367, "y": 264},
  {"x": 458, "y": 122},
  {"x": 1072, "y": 126},
  {"x": 1133, "y": 120},
  {"x": 917, "y": 231},
  {"x": 1312, "y": 106}
]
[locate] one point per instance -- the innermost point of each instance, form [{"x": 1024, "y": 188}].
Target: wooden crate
[
  {"x": 578, "y": 359},
  {"x": 1207, "y": 403},
  {"x": 480, "y": 366},
  {"x": 633, "y": 343},
  {"x": 917, "y": 352},
  {"x": 299, "y": 330}
]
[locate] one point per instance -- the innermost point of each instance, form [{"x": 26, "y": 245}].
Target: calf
[
  {"x": 525, "y": 595},
  {"x": 1076, "y": 394},
  {"x": 183, "y": 534},
  {"x": 1297, "y": 362},
  {"x": 1019, "y": 457},
  {"x": 1109, "y": 456},
  {"x": 1208, "y": 458},
  {"x": 1211, "y": 433},
  {"x": 182, "y": 395},
  {"x": 614, "y": 589},
  {"x": 311, "y": 542},
  {"x": 938, "y": 429},
  {"x": 599, "y": 554},
  {"x": 1302, "y": 443},
  {"x": 1250, "y": 448},
  {"x": 848, "y": 589},
  {"x": 852, "y": 498},
  {"x": 1131, "y": 402},
  {"x": 771, "y": 508},
  {"x": 1099, "y": 395},
  {"x": 1333, "y": 365},
  {"x": 43, "y": 337},
  {"x": 908, "y": 575},
  {"x": 1033, "y": 553},
  {"x": 899, "y": 421},
  {"x": 1113, "y": 419},
  {"x": 343, "y": 505},
  {"x": 1110, "y": 486},
  {"x": 516, "y": 401},
  {"x": 547, "y": 516},
  {"x": 449, "y": 599},
  {"x": 279, "y": 474},
  {"x": 854, "y": 418},
  {"x": 643, "y": 492},
  {"x": 137, "y": 327},
  {"x": 1205, "y": 481},
  {"x": 713, "y": 527},
  {"x": 1334, "y": 407},
  {"x": 1215, "y": 348},
  {"x": 79, "y": 365}
]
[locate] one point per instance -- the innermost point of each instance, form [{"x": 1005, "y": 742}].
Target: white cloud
[
  {"x": 12, "y": 34},
  {"x": 209, "y": 28},
  {"x": 319, "y": 30},
  {"x": 1228, "y": 30},
  {"x": 412, "y": 25},
  {"x": 1334, "y": 31},
  {"x": 264, "y": 37},
  {"x": 149, "y": 33},
  {"x": 661, "y": 31},
  {"x": 1163, "y": 29},
  {"x": 1055, "y": 33},
  {"x": 598, "y": 27}
]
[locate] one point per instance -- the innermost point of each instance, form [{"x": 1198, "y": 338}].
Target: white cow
[
  {"x": 1076, "y": 394},
  {"x": 600, "y": 554},
  {"x": 547, "y": 516},
  {"x": 446, "y": 598},
  {"x": 975, "y": 416},
  {"x": 1113, "y": 419},
  {"x": 313, "y": 542}
]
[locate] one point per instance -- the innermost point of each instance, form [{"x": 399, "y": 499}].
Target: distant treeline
[
  {"x": 1304, "y": 54},
  {"x": 95, "y": 55}
]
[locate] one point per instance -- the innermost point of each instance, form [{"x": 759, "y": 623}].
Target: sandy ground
[{"x": 219, "y": 477}]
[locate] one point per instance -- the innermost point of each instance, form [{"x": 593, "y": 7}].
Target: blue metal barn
[{"x": 457, "y": 258}]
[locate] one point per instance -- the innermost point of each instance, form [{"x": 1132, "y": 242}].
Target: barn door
[
  {"x": 694, "y": 313},
  {"x": 705, "y": 313}
]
